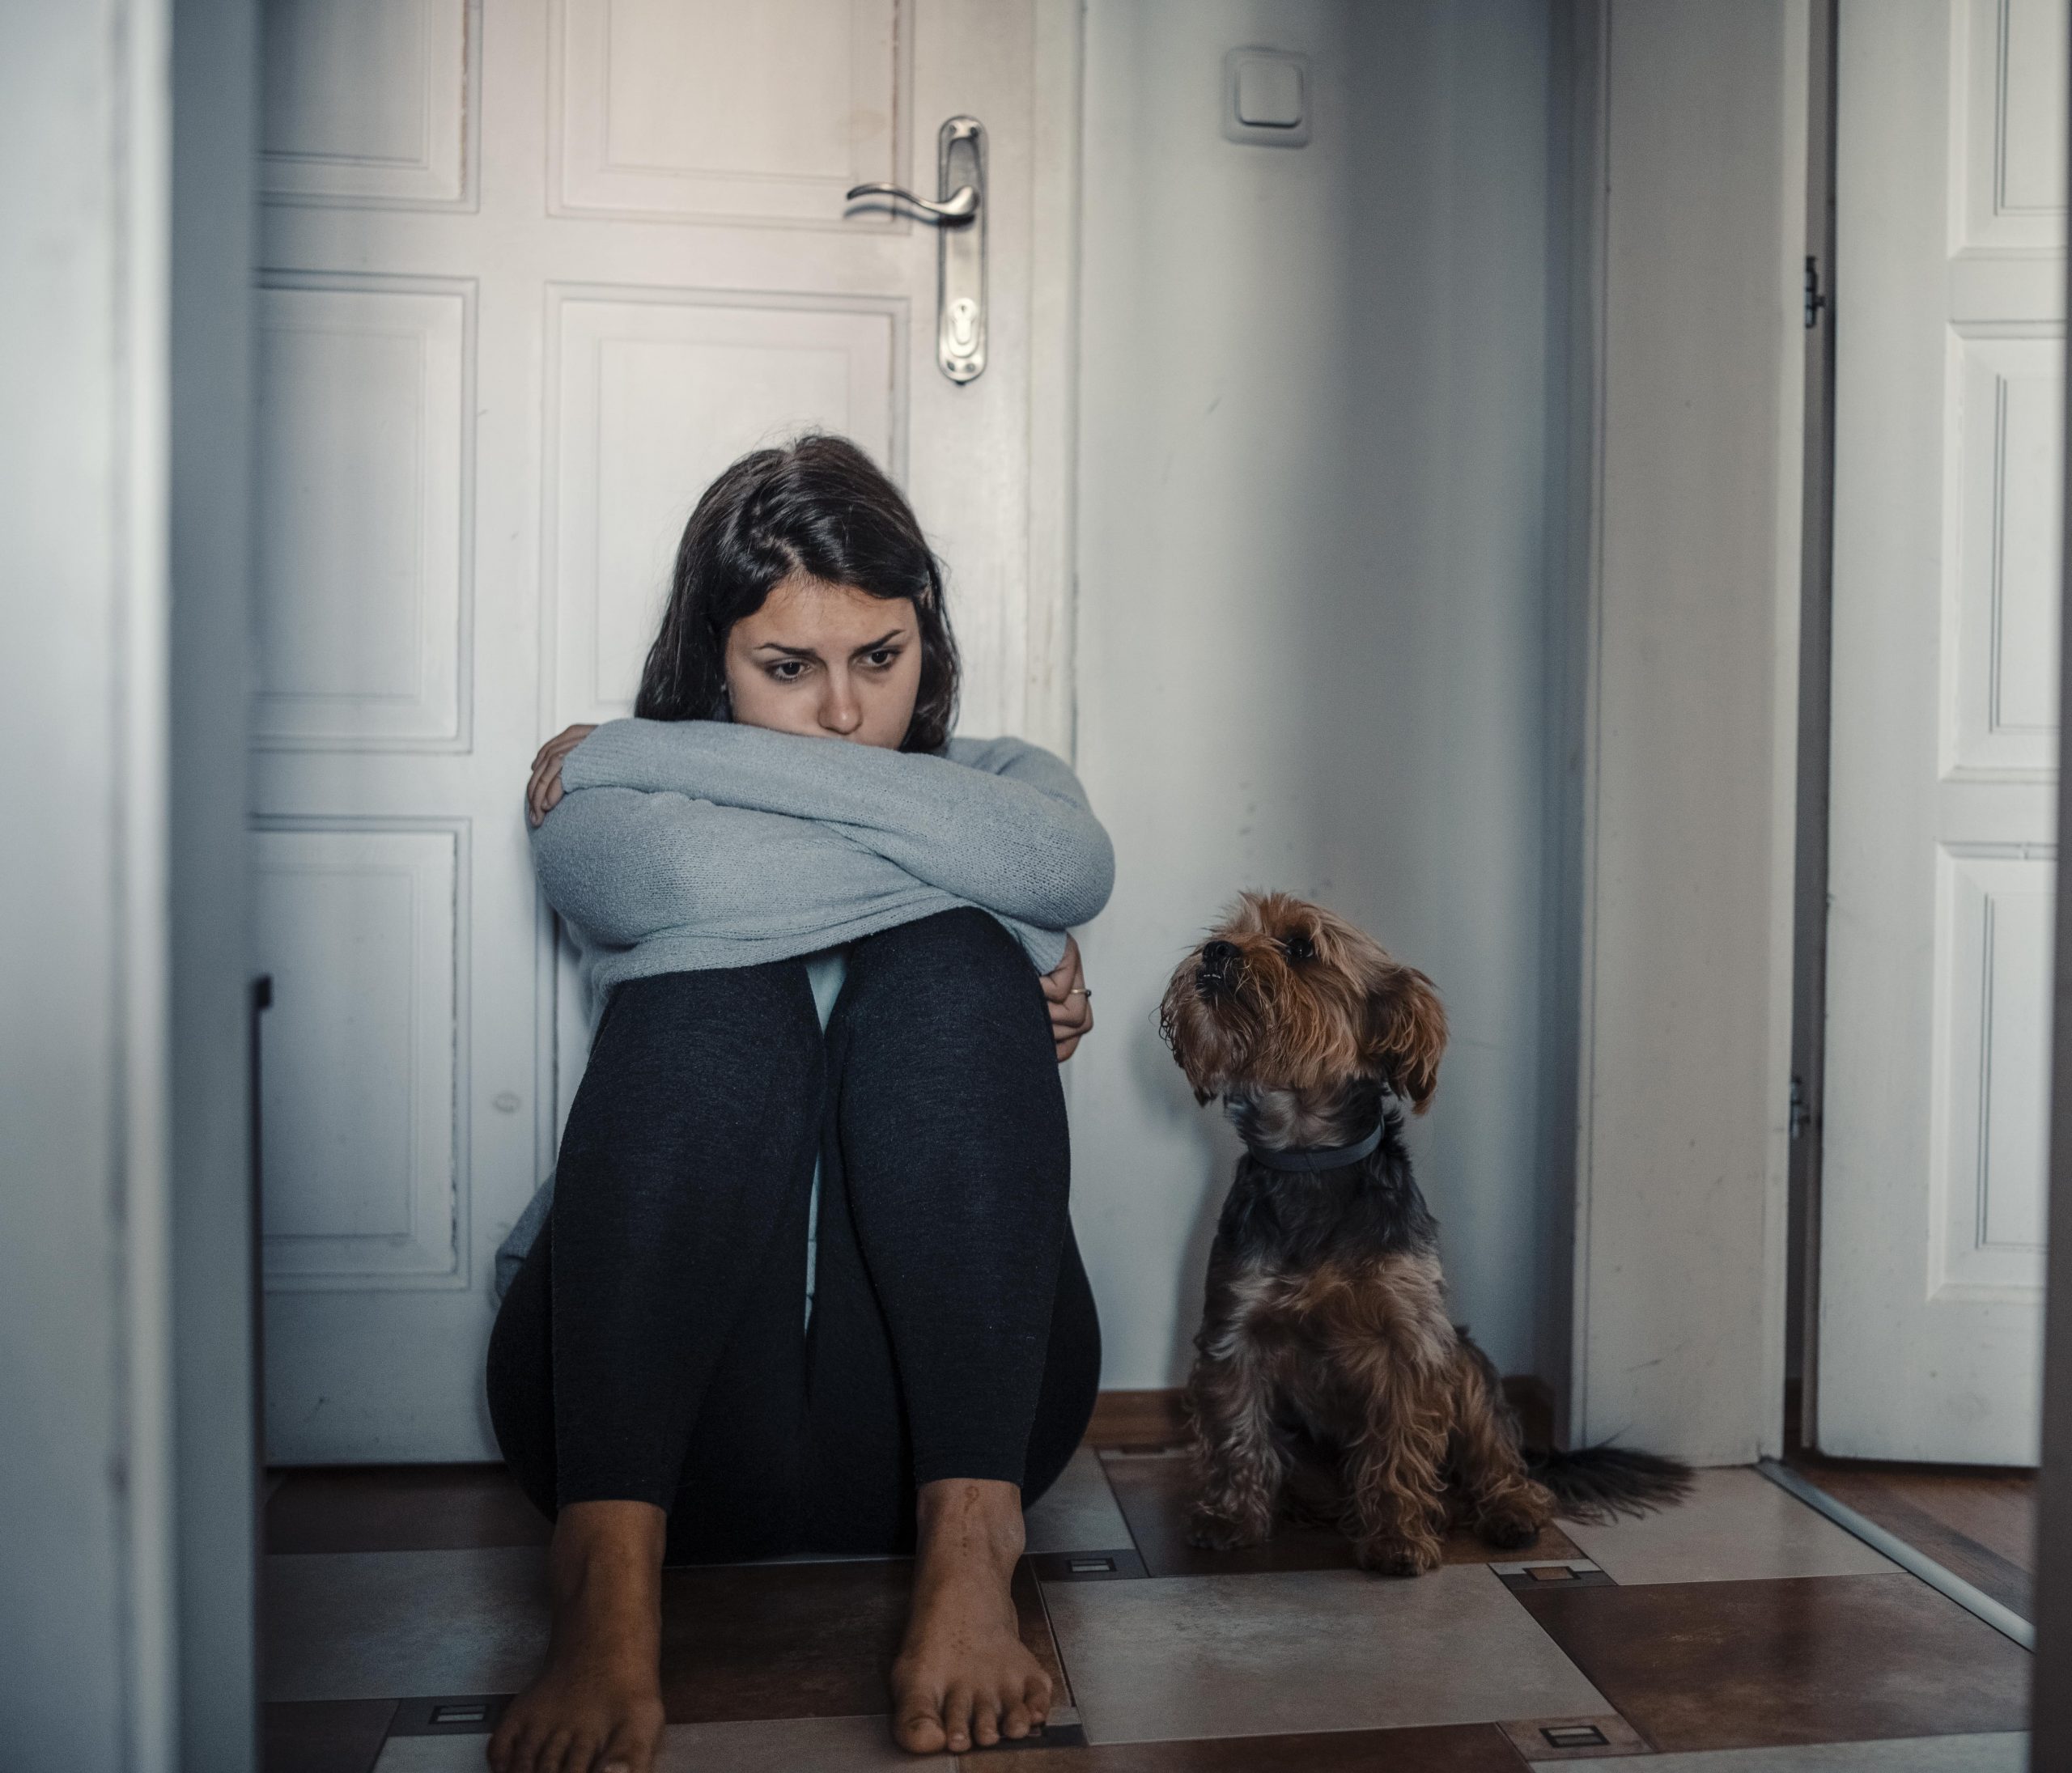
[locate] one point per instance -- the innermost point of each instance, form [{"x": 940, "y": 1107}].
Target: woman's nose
[{"x": 839, "y": 710}]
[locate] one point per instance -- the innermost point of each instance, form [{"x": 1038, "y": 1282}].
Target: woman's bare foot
[
  {"x": 963, "y": 1677},
  {"x": 596, "y": 1706}
]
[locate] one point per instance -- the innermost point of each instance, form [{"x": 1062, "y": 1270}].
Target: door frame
[
  {"x": 1691, "y": 579},
  {"x": 1809, "y": 1008}
]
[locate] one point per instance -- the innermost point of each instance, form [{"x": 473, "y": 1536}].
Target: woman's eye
[
  {"x": 881, "y": 657},
  {"x": 1299, "y": 948},
  {"x": 788, "y": 670}
]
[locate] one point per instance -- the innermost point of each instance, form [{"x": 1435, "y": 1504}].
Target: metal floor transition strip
[{"x": 2003, "y": 1619}]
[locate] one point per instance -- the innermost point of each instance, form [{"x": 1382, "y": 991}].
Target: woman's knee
[
  {"x": 958, "y": 974},
  {"x": 763, "y": 1010},
  {"x": 681, "y": 1056}
]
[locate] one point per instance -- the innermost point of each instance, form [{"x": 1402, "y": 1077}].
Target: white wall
[
  {"x": 1314, "y": 402},
  {"x": 85, "y": 1610}
]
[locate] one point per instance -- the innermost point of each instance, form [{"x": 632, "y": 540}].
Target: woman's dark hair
[{"x": 820, "y": 507}]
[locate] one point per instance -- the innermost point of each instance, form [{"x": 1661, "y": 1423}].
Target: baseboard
[
  {"x": 1125, "y": 1419},
  {"x": 1131, "y": 1418}
]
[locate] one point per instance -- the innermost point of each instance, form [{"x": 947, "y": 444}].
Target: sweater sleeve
[
  {"x": 998, "y": 823},
  {"x": 622, "y": 865}
]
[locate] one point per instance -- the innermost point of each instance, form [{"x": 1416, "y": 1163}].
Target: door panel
[
  {"x": 370, "y": 103},
  {"x": 365, "y": 460},
  {"x": 533, "y": 274},
  {"x": 364, "y": 1144},
  {"x": 715, "y": 111},
  {"x": 657, "y": 394},
  {"x": 1949, "y": 363}
]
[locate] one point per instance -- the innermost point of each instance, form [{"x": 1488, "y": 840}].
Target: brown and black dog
[{"x": 1330, "y": 1382}]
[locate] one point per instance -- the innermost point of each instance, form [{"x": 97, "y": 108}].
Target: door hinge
[
  {"x": 1815, "y": 300},
  {"x": 1798, "y": 1117}
]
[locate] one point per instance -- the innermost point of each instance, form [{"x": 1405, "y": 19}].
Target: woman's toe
[
  {"x": 986, "y": 1720},
  {"x": 957, "y": 1718},
  {"x": 921, "y": 1729},
  {"x": 1016, "y": 1722}
]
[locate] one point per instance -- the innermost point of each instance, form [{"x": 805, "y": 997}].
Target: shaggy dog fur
[{"x": 1330, "y": 1382}]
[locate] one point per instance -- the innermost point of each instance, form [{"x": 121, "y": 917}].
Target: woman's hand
[
  {"x": 543, "y": 792},
  {"x": 1072, "y": 1004}
]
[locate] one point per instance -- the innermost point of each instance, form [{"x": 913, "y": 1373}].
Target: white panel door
[
  {"x": 533, "y": 274},
  {"x": 1949, "y": 375}
]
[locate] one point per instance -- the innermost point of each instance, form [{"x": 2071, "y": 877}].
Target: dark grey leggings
[{"x": 651, "y": 1347}]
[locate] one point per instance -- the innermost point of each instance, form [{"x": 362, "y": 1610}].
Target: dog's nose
[{"x": 1218, "y": 966}]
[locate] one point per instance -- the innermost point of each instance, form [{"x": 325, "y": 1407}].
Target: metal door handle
[
  {"x": 959, "y": 206},
  {"x": 960, "y": 247}
]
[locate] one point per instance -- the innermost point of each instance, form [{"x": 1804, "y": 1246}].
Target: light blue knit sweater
[
  {"x": 684, "y": 844},
  {"x": 680, "y": 845}
]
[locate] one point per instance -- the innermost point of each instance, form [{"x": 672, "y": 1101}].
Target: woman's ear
[{"x": 1408, "y": 1035}]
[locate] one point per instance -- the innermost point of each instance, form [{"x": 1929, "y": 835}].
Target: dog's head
[{"x": 1285, "y": 995}]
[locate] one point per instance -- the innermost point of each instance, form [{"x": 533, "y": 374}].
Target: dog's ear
[{"x": 1407, "y": 1034}]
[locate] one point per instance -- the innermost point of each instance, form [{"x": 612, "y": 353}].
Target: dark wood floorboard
[{"x": 1978, "y": 1524}]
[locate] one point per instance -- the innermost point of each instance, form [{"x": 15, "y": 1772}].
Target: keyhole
[{"x": 963, "y": 325}]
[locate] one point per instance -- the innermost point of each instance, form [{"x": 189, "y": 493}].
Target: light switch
[
  {"x": 1266, "y": 97},
  {"x": 1269, "y": 93}
]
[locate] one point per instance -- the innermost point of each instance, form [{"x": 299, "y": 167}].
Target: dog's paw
[
  {"x": 1210, "y": 1532},
  {"x": 1396, "y": 1557},
  {"x": 1507, "y": 1533},
  {"x": 1514, "y": 1522}
]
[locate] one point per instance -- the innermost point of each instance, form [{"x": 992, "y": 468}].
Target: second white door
[{"x": 1949, "y": 357}]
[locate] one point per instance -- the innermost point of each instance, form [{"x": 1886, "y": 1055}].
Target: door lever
[{"x": 960, "y": 204}]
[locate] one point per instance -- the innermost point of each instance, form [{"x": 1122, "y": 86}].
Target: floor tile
[
  {"x": 1445, "y": 1748},
  {"x": 1758, "y": 1663},
  {"x": 400, "y": 1508},
  {"x": 1156, "y": 1492},
  {"x": 793, "y": 1640},
  {"x": 324, "y": 1736},
  {"x": 743, "y": 1641},
  {"x": 433, "y": 1754},
  {"x": 2006, "y": 1752},
  {"x": 1304, "y": 1650},
  {"x": 851, "y": 1744},
  {"x": 1736, "y": 1525},
  {"x": 1078, "y": 1513},
  {"x": 356, "y": 1625}
]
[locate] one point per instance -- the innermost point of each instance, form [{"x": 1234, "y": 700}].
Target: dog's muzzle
[{"x": 1217, "y": 976}]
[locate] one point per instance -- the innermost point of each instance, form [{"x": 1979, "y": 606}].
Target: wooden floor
[{"x": 1978, "y": 1522}]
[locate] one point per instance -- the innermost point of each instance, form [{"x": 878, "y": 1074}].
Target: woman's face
[{"x": 829, "y": 661}]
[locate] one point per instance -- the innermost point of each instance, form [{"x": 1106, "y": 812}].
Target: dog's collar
[{"x": 1319, "y": 1157}]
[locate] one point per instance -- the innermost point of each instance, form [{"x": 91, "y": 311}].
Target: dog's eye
[{"x": 1299, "y": 949}]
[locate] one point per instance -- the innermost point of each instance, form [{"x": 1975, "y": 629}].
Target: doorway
[{"x": 1929, "y": 776}]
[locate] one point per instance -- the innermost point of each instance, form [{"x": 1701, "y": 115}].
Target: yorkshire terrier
[{"x": 1329, "y": 1383}]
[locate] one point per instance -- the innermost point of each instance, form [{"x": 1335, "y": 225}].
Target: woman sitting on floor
[{"x": 805, "y": 1279}]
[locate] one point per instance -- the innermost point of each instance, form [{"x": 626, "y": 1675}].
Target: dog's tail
[{"x": 1597, "y": 1483}]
